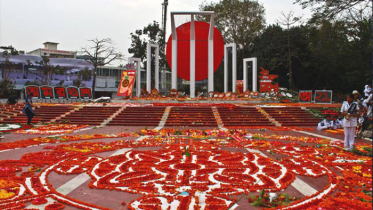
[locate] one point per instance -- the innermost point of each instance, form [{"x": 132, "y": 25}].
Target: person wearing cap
[
  {"x": 350, "y": 111},
  {"x": 357, "y": 97},
  {"x": 326, "y": 123}
]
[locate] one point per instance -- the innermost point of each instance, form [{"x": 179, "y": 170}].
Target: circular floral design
[{"x": 189, "y": 180}]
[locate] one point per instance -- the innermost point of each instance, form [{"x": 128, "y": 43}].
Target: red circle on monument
[{"x": 183, "y": 50}]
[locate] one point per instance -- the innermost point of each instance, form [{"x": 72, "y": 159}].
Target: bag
[
  {"x": 352, "y": 109},
  {"x": 30, "y": 109}
]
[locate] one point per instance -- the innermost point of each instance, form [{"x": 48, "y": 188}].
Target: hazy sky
[{"x": 26, "y": 24}]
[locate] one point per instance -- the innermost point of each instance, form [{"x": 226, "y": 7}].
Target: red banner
[
  {"x": 85, "y": 93},
  {"x": 46, "y": 92},
  {"x": 267, "y": 83},
  {"x": 72, "y": 93},
  {"x": 34, "y": 90},
  {"x": 126, "y": 83},
  {"x": 59, "y": 93}
]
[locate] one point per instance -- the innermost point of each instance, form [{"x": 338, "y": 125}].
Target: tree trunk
[
  {"x": 291, "y": 81},
  {"x": 94, "y": 82}
]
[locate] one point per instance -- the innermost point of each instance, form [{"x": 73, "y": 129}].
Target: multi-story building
[
  {"x": 50, "y": 50},
  {"x": 28, "y": 71}
]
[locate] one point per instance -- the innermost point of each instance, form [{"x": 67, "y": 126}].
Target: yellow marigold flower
[{"x": 367, "y": 175}]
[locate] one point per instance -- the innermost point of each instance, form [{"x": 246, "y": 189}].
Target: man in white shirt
[
  {"x": 326, "y": 123},
  {"x": 350, "y": 111}
]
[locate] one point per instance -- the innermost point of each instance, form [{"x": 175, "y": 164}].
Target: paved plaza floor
[{"x": 177, "y": 167}]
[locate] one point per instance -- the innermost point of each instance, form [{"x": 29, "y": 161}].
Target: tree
[
  {"x": 288, "y": 20},
  {"x": 48, "y": 70},
  {"x": 8, "y": 66},
  {"x": 352, "y": 11},
  {"x": 102, "y": 52},
  {"x": 7, "y": 84},
  {"x": 239, "y": 21},
  {"x": 83, "y": 75},
  {"x": 151, "y": 33},
  {"x": 271, "y": 49},
  {"x": 332, "y": 9}
]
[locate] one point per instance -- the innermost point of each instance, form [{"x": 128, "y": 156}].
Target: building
[
  {"x": 108, "y": 80},
  {"x": 28, "y": 71},
  {"x": 50, "y": 50},
  {"x": 87, "y": 58}
]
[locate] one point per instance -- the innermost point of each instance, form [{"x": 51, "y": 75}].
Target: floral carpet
[{"x": 185, "y": 169}]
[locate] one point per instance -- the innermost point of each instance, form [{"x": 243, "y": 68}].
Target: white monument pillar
[
  {"x": 234, "y": 67},
  {"x": 255, "y": 73},
  {"x": 211, "y": 56},
  {"x": 174, "y": 54},
  {"x": 192, "y": 51},
  {"x": 149, "y": 67},
  {"x": 138, "y": 74},
  {"x": 192, "y": 84}
]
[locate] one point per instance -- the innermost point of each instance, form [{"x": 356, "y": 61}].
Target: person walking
[
  {"x": 350, "y": 111},
  {"x": 28, "y": 110}
]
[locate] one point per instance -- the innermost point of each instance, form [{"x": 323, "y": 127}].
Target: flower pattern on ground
[{"x": 208, "y": 173}]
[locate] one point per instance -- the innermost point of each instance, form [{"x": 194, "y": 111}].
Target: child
[
  {"x": 326, "y": 123},
  {"x": 337, "y": 123}
]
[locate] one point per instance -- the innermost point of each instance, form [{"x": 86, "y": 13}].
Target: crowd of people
[{"x": 355, "y": 117}]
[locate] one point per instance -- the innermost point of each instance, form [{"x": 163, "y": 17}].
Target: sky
[{"x": 27, "y": 24}]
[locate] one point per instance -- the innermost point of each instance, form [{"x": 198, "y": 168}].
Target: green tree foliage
[
  {"x": 48, "y": 70},
  {"x": 7, "y": 84},
  {"x": 151, "y": 33},
  {"x": 354, "y": 15},
  {"x": 83, "y": 75},
  {"x": 240, "y": 22},
  {"x": 325, "y": 55},
  {"x": 336, "y": 9},
  {"x": 6, "y": 88}
]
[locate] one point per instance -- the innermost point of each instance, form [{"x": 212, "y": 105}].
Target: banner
[
  {"x": 46, "y": 92},
  {"x": 59, "y": 93},
  {"x": 267, "y": 81},
  {"x": 305, "y": 96},
  {"x": 72, "y": 92},
  {"x": 32, "y": 89},
  {"x": 126, "y": 83},
  {"x": 323, "y": 96},
  {"x": 239, "y": 86},
  {"x": 85, "y": 93}
]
